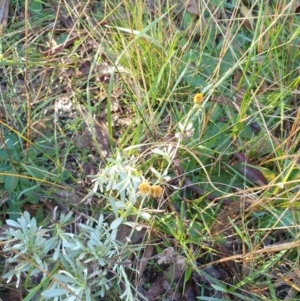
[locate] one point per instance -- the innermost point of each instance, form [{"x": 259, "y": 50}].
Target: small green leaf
[
  {"x": 11, "y": 182},
  {"x": 14, "y": 207},
  {"x": 36, "y": 5},
  {"x": 3, "y": 169},
  {"x": 39, "y": 215}
]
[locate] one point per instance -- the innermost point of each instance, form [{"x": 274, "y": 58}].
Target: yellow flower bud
[{"x": 198, "y": 98}]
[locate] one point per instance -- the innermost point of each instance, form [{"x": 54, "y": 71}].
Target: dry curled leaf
[
  {"x": 172, "y": 274},
  {"x": 251, "y": 173},
  {"x": 191, "y": 290},
  {"x": 247, "y": 14},
  {"x": 192, "y": 7},
  {"x": 125, "y": 231},
  {"x": 169, "y": 255}
]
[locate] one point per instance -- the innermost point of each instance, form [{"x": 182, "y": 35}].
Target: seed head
[
  {"x": 156, "y": 191},
  {"x": 145, "y": 188}
]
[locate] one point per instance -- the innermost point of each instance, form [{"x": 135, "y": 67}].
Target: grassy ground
[{"x": 150, "y": 150}]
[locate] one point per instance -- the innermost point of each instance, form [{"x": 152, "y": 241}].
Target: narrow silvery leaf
[
  {"x": 57, "y": 251},
  {"x": 181, "y": 126},
  {"x": 37, "y": 259},
  {"x": 13, "y": 223},
  {"x": 120, "y": 205},
  {"x": 113, "y": 234},
  {"x": 146, "y": 216},
  {"x": 51, "y": 293},
  {"x": 189, "y": 126},
  {"x": 155, "y": 172},
  {"x": 26, "y": 216},
  {"x": 158, "y": 151},
  {"x": 65, "y": 218},
  {"x": 20, "y": 246},
  {"x": 116, "y": 223},
  {"x": 65, "y": 276},
  {"x": 112, "y": 202},
  {"x": 71, "y": 298}
]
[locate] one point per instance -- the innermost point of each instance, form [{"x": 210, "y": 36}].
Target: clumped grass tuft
[{"x": 150, "y": 150}]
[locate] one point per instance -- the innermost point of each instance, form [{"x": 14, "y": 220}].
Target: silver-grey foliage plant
[{"x": 69, "y": 267}]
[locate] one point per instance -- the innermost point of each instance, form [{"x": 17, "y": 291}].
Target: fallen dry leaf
[
  {"x": 169, "y": 255},
  {"x": 15, "y": 294},
  {"x": 192, "y": 7},
  {"x": 163, "y": 284},
  {"x": 248, "y": 21},
  {"x": 191, "y": 290},
  {"x": 172, "y": 274},
  {"x": 100, "y": 132},
  {"x": 124, "y": 232},
  {"x": 251, "y": 173}
]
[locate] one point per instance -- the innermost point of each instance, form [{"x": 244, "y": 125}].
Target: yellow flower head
[
  {"x": 156, "y": 191},
  {"x": 198, "y": 98},
  {"x": 145, "y": 188}
]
